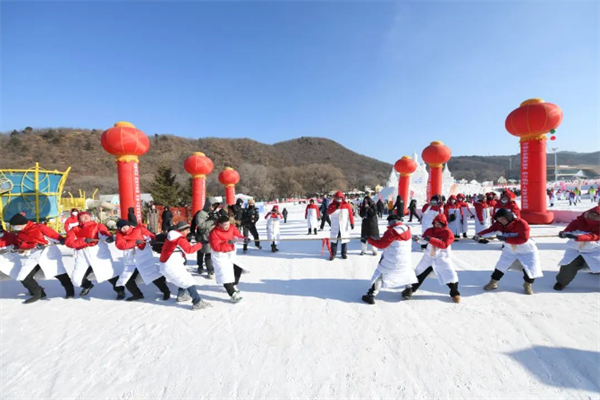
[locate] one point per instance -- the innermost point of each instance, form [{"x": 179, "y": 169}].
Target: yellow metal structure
[{"x": 79, "y": 203}]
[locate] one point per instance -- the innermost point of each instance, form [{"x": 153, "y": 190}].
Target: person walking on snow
[
  {"x": 551, "y": 197},
  {"x": 222, "y": 240},
  {"x": 466, "y": 213},
  {"x": 519, "y": 250},
  {"x": 369, "y": 227},
  {"x": 342, "y": 221},
  {"x": 399, "y": 207},
  {"x": 285, "y": 214},
  {"x": 202, "y": 224},
  {"x": 72, "y": 221},
  {"x": 454, "y": 215},
  {"x": 395, "y": 267},
  {"x": 138, "y": 260},
  {"x": 324, "y": 215},
  {"x": 172, "y": 265},
  {"x": 273, "y": 219},
  {"x": 583, "y": 247},
  {"x": 412, "y": 208},
  {"x": 249, "y": 219},
  {"x": 380, "y": 208},
  {"x": 438, "y": 258},
  {"x": 92, "y": 255},
  {"x": 312, "y": 216},
  {"x": 40, "y": 254}
]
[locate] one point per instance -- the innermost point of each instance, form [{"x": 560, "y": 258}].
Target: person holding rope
[
  {"x": 202, "y": 224},
  {"x": 518, "y": 251},
  {"x": 10, "y": 262},
  {"x": 395, "y": 267},
  {"x": 40, "y": 254},
  {"x": 138, "y": 260},
  {"x": 222, "y": 241},
  {"x": 583, "y": 247},
  {"x": 438, "y": 258},
  {"x": 342, "y": 221},
  {"x": 92, "y": 255}
]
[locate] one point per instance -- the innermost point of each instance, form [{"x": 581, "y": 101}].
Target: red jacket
[
  {"x": 438, "y": 208},
  {"x": 510, "y": 206},
  {"x": 90, "y": 230},
  {"x": 333, "y": 207},
  {"x": 463, "y": 204},
  {"x": 390, "y": 236},
  {"x": 312, "y": 206},
  {"x": 8, "y": 239},
  {"x": 479, "y": 207},
  {"x": 218, "y": 239},
  {"x": 517, "y": 225},
  {"x": 126, "y": 241},
  {"x": 441, "y": 238},
  {"x": 450, "y": 206},
  {"x": 582, "y": 223},
  {"x": 69, "y": 221},
  {"x": 171, "y": 245},
  {"x": 33, "y": 234}
]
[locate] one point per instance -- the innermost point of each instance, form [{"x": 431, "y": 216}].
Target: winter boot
[
  {"x": 236, "y": 297},
  {"x": 465, "y": 235},
  {"x": 273, "y": 248},
  {"x": 135, "y": 297},
  {"x": 344, "y": 250},
  {"x": 368, "y": 298},
  {"x": 85, "y": 291},
  {"x": 315, "y": 230},
  {"x": 185, "y": 296},
  {"x": 200, "y": 270},
  {"x": 363, "y": 249},
  {"x": 166, "y": 295},
  {"x": 309, "y": 231},
  {"x": 245, "y": 249},
  {"x": 200, "y": 305},
  {"x": 37, "y": 295},
  {"x": 333, "y": 251},
  {"x": 407, "y": 293},
  {"x": 558, "y": 286},
  {"x": 456, "y": 298},
  {"x": 120, "y": 294},
  {"x": 493, "y": 284},
  {"x": 528, "y": 288}
]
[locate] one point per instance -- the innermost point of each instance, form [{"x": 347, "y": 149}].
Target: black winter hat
[
  {"x": 181, "y": 226},
  {"x": 436, "y": 198},
  {"x": 121, "y": 223},
  {"x": 18, "y": 219},
  {"x": 503, "y": 212}
]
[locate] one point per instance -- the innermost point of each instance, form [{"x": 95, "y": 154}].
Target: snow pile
[{"x": 302, "y": 332}]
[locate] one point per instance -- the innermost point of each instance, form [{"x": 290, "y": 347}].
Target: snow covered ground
[{"x": 303, "y": 332}]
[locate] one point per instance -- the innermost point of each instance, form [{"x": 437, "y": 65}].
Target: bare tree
[
  {"x": 321, "y": 178},
  {"x": 256, "y": 181}
]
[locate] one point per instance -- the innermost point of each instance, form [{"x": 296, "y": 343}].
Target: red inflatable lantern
[
  {"x": 404, "y": 166},
  {"x": 126, "y": 142},
  {"x": 198, "y": 165},
  {"x": 531, "y": 121},
  {"x": 229, "y": 177},
  {"x": 435, "y": 155}
]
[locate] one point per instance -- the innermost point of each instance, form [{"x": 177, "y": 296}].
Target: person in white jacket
[
  {"x": 395, "y": 267},
  {"x": 342, "y": 221},
  {"x": 273, "y": 219},
  {"x": 312, "y": 216}
]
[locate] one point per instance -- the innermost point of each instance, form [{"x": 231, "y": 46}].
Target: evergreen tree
[{"x": 164, "y": 189}]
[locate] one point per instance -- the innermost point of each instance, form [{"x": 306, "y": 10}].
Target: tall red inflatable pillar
[
  {"x": 404, "y": 166},
  {"x": 126, "y": 142},
  {"x": 198, "y": 165},
  {"x": 435, "y": 155},
  {"x": 531, "y": 122},
  {"x": 229, "y": 177}
]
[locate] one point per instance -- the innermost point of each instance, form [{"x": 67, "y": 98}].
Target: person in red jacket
[
  {"x": 35, "y": 239},
  {"x": 92, "y": 255},
  {"x": 454, "y": 215},
  {"x": 72, "y": 221},
  {"x": 222, "y": 240},
  {"x": 342, "y": 221},
  {"x": 491, "y": 199},
  {"x": 519, "y": 250},
  {"x": 312, "y": 216},
  {"x": 438, "y": 258},
  {"x": 10, "y": 263},
  {"x": 583, "y": 248},
  {"x": 172, "y": 264},
  {"x": 507, "y": 201},
  {"x": 466, "y": 213},
  {"x": 138, "y": 260}
]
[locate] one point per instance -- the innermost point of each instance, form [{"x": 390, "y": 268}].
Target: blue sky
[{"x": 381, "y": 78}]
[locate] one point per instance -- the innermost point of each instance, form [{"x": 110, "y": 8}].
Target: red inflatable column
[
  {"x": 127, "y": 143},
  {"x": 531, "y": 121},
  {"x": 229, "y": 177},
  {"x": 198, "y": 165},
  {"x": 404, "y": 166},
  {"x": 435, "y": 155}
]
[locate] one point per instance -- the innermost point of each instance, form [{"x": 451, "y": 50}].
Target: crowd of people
[{"x": 30, "y": 252}]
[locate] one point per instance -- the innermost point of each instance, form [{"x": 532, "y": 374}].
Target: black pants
[
  {"x": 380, "y": 214},
  {"x": 31, "y": 284},
  {"x": 420, "y": 278},
  {"x": 497, "y": 275},
  {"x": 325, "y": 218},
  {"x": 131, "y": 285},
  {"x": 237, "y": 273},
  {"x": 413, "y": 213},
  {"x": 252, "y": 229},
  {"x": 205, "y": 258},
  {"x": 567, "y": 272},
  {"x": 285, "y": 219},
  {"x": 86, "y": 283}
]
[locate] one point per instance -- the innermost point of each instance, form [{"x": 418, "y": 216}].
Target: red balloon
[
  {"x": 552, "y": 137},
  {"x": 533, "y": 117},
  {"x": 405, "y": 165},
  {"x": 436, "y": 153},
  {"x": 198, "y": 164},
  {"x": 124, "y": 139}
]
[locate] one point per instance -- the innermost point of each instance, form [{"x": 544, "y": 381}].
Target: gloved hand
[
  {"x": 571, "y": 235},
  {"x": 139, "y": 241},
  {"x": 562, "y": 235},
  {"x": 62, "y": 240},
  {"x": 189, "y": 237},
  {"x": 110, "y": 239},
  {"x": 88, "y": 240},
  {"x": 351, "y": 226},
  {"x": 501, "y": 238},
  {"x": 231, "y": 241},
  {"x": 426, "y": 238},
  {"x": 39, "y": 246}
]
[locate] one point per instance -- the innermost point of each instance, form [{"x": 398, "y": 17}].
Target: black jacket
[
  {"x": 250, "y": 216},
  {"x": 380, "y": 206},
  {"x": 399, "y": 207},
  {"x": 369, "y": 225},
  {"x": 167, "y": 219}
]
